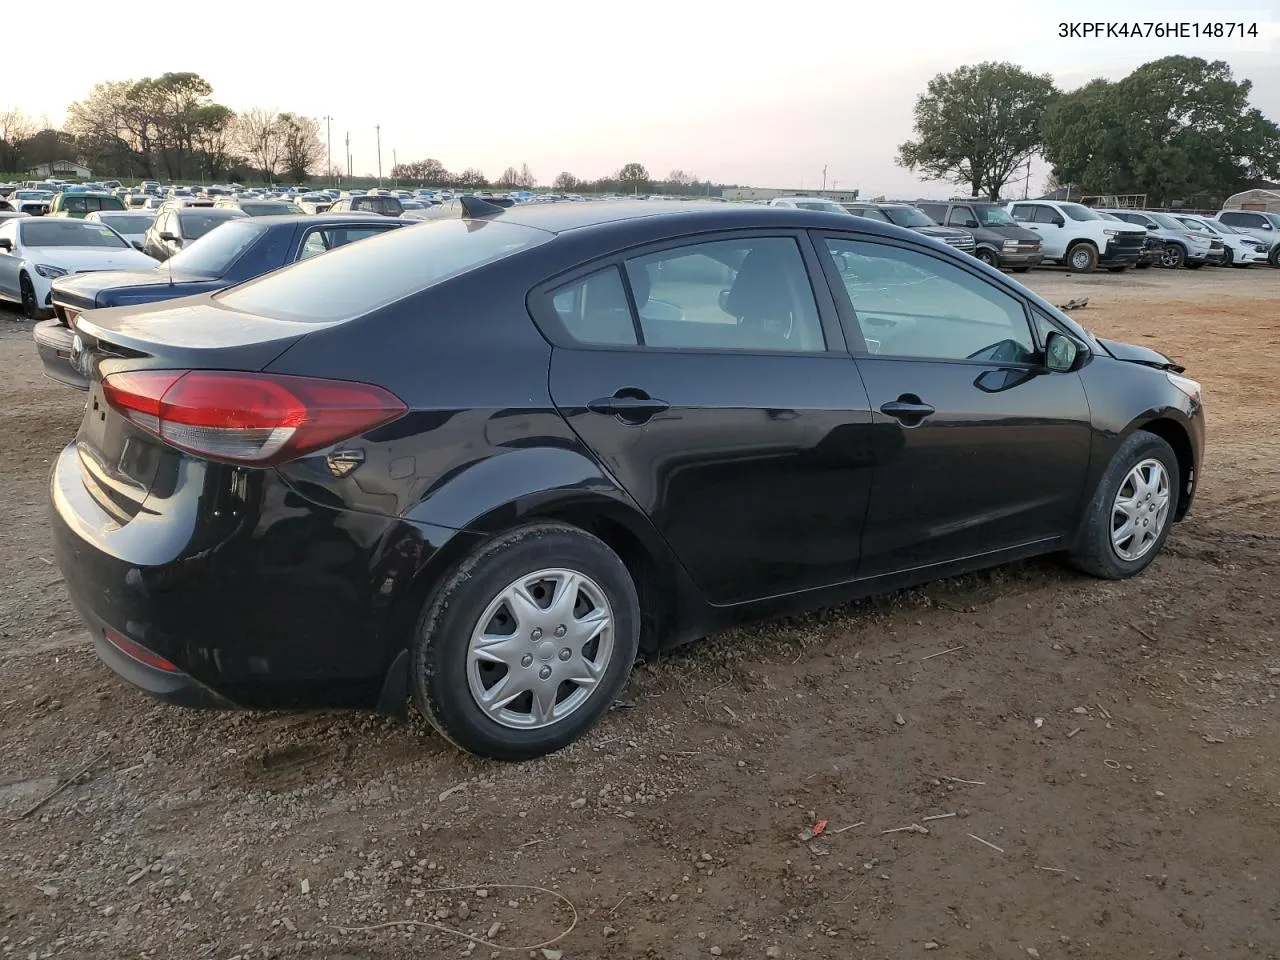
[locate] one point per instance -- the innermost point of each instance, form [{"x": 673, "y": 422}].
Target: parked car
[
  {"x": 315, "y": 202},
  {"x": 1260, "y": 225},
  {"x": 998, "y": 239},
  {"x": 1182, "y": 245},
  {"x": 380, "y": 474},
  {"x": 238, "y": 249},
  {"x": 35, "y": 250},
  {"x": 176, "y": 225},
  {"x": 913, "y": 218},
  {"x": 808, "y": 203},
  {"x": 34, "y": 202},
  {"x": 1078, "y": 237},
  {"x": 368, "y": 203},
  {"x": 1242, "y": 250},
  {"x": 78, "y": 204},
  {"x": 130, "y": 224},
  {"x": 259, "y": 208}
]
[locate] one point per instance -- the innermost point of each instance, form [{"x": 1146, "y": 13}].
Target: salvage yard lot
[{"x": 1110, "y": 752}]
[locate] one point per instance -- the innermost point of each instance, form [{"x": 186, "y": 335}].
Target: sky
[{"x": 763, "y": 94}]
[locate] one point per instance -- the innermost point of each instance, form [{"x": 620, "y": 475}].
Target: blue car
[{"x": 232, "y": 253}]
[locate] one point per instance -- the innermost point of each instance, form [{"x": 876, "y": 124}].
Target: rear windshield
[{"x": 359, "y": 278}]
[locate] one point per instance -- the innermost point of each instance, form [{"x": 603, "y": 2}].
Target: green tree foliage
[
  {"x": 633, "y": 178},
  {"x": 977, "y": 125},
  {"x": 1174, "y": 128},
  {"x": 566, "y": 182}
]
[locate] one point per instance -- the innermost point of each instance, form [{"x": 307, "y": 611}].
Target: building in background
[
  {"x": 769, "y": 193},
  {"x": 64, "y": 167}
]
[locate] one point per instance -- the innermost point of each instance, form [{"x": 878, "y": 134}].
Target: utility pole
[
  {"x": 377, "y": 129},
  {"x": 395, "y": 177},
  {"x": 1026, "y": 186},
  {"x": 824, "y": 178},
  {"x": 328, "y": 148},
  {"x": 348, "y": 158}
]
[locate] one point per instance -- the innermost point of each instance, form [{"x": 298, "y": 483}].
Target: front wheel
[
  {"x": 1172, "y": 256},
  {"x": 1128, "y": 518},
  {"x": 988, "y": 257},
  {"x": 1082, "y": 258},
  {"x": 525, "y": 645},
  {"x": 30, "y": 306},
  {"x": 1273, "y": 257}
]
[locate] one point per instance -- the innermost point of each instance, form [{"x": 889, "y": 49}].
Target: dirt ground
[{"x": 1093, "y": 767}]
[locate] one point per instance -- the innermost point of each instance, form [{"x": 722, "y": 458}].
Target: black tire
[
  {"x": 438, "y": 651},
  {"x": 1021, "y": 269},
  {"x": 1093, "y": 552},
  {"x": 1196, "y": 266},
  {"x": 1142, "y": 265},
  {"x": 1230, "y": 257},
  {"x": 988, "y": 257},
  {"x": 30, "y": 308},
  {"x": 1173, "y": 256},
  {"x": 1273, "y": 257},
  {"x": 1082, "y": 257},
  {"x": 1117, "y": 269}
]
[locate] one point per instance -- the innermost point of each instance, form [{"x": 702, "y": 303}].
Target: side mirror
[
  {"x": 723, "y": 300},
  {"x": 972, "y": 224},
  {"x": 1151, "y": 226},
  {"x": 6, "y": 244},
  {"x": 170, "y": 237},
  {"x": 137, "y": 244},
  {"x": 1060, "y": 353},
  {"x": 1059, "y": 222}
]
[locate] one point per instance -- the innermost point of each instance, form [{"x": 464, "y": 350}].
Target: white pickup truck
[{"x": 1077, "y": 237}]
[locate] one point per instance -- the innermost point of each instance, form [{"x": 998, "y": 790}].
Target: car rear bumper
[
  {"x": 53, "y": 344},
  {"x": 265, "y": 602}
]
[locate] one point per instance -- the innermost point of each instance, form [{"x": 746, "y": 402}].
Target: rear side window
[
  {"x": 594, "y": 310},
  {"x": 359, "y": 278}
]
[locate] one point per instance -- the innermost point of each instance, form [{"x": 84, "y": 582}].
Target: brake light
[{"x": 257, "y": 419}]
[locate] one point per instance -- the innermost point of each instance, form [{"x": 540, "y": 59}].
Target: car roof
[
  {"x": 329, "y": 219},
  {"x": 207, "y": 211},
  {"x": 685, "y": 216}
]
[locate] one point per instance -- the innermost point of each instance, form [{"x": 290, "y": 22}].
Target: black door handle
[
  {"x": 908, "y": 408},
  {"x": 633, "y": 406}
]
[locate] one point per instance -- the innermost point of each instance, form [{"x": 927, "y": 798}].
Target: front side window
[
  {"x": 911, "y": 305},
  {"x": 1045, "y": 214},
  {"x": 959, "y": 216},
  {"x": 909, "y": 217},
  {"x": 751, "y": 294}
]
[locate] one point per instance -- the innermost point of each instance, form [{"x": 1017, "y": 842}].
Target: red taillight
[{"x": 250, "y": 418}]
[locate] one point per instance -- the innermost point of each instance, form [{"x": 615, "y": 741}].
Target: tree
[
  {"x": 526, "y": 180},
  {"x": 1174, "y": 128},
  {"x": 633, "y": 177},
  {"x": 976, "y": 125},
  {"x": 301, "y": 149},
  {"x": 15, "y": 127},
  {"x": 258, "y": 135},
  {"x": 566, "y": 181},
  {"x": 47, "y": 146},
  {"x": 472, "y": 178},
  {"x": 212, "y": 139},
  {"x": 509, "y": 179}
]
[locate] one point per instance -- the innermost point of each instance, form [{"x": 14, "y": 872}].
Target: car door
[
  {"x": 979, "y": 448},
  {"x": 714, "y": 384},
  {"x": 10, "y": 260},
  {"x": 1050, "y": 224},
  {"x": 962, "y": 217}
]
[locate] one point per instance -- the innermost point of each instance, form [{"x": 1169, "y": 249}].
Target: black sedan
[
  {"x": 481, "y": 463},
  {"x": 237, "y": 250}
]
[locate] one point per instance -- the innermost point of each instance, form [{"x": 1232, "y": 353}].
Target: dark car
[
  {"x": 481, "y": 462},
  {"x": 386, "y": 206},
  {"x": 913, "y": 218},
  {"x": 238, "y": 250},
  {"x": 176, "y": 226},
  {"x": 998, "y": 238}
]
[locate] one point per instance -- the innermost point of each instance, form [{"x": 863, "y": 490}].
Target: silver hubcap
[
  {"x": 1081, "y": 259},
  {"x": 1140, "y": 510},
  {"x": 540, "y": 648}
]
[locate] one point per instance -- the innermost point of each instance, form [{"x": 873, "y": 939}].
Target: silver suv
[{"x": 1259, "y": 224}]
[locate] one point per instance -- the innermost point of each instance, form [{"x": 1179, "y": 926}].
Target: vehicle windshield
[
  {"x": 994, "y": 217},
  {"x": 196, "y": 224},
  {"x": 1212, "y": 226},
  {"x": 1078, "y": 211},
  {"x": 1103, "y": 215},
  {"x": 359, "y": 278},
  {"x": 1273, "y": 219},
  {"x": 909, "y": 217},
  {"x": 49, "y": 232},
  {"x": 1168, "y": 222},
  {"x": 214, "y": 253},
  {"x": 829, "y": 206},
  {"x": 125, "y": 224}
]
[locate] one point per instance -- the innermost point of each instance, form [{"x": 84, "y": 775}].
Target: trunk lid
[{"x": 121, "y": 463}]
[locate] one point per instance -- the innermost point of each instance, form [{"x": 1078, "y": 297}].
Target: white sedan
[
  {"x": 130, "y": 224},
  {"x": 34, "y": 250}
]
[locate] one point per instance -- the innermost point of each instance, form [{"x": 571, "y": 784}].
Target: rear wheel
[
  {"x": 526, "y": 643},
  {"x": 1172, "y": 256},
  {"x": 30, "y": 306},
  {"x": 1128, "y": 518},
  {"x": 1082, "y": 258}
]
